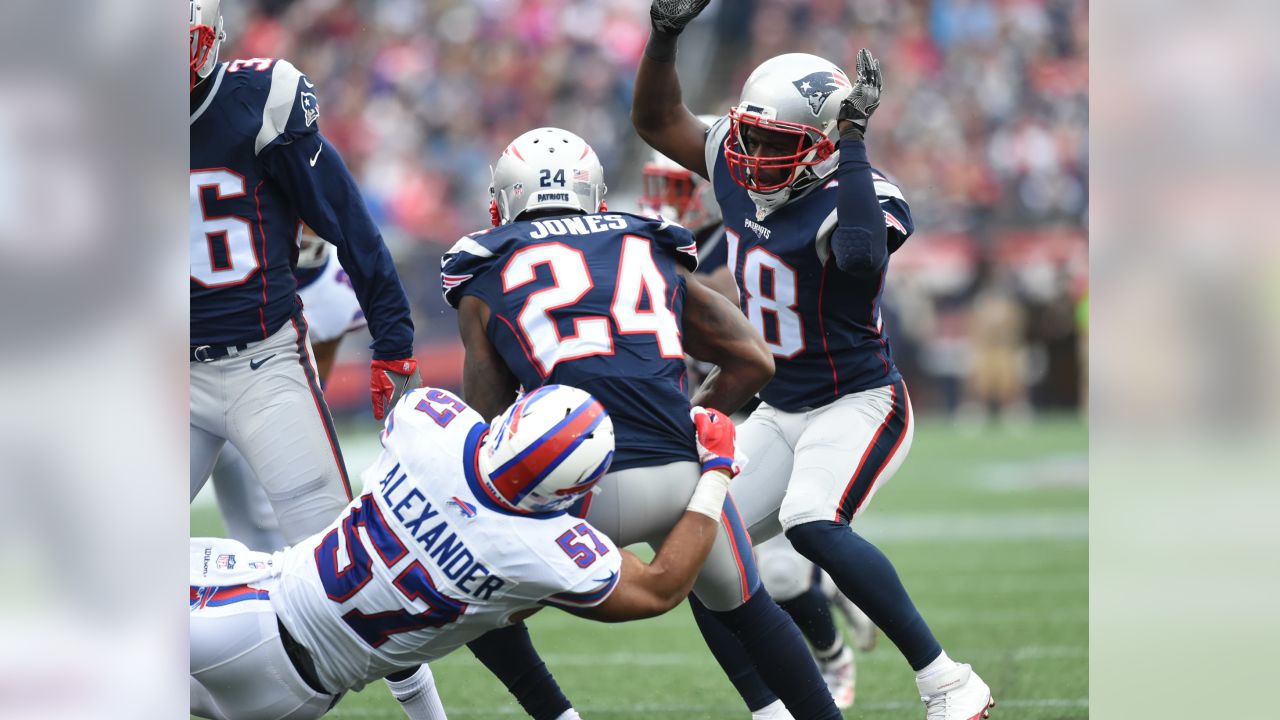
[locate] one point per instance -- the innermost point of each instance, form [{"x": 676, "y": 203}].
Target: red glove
[
  {"x": 716, "y": 440},
  {"x": 391, "y": 379}
]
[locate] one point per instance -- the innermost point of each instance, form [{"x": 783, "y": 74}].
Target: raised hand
[{"x": 865, "y": 98}]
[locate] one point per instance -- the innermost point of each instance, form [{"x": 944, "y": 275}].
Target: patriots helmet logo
[
  {"x": 816, "y": 87},
  {"x": 310, "y": 108}
]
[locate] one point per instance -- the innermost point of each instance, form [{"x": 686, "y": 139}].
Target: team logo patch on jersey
[
  {"x": 816, "y": 87},
  {"x": 464, "y": 508},
  {"x": 226, "y": 562},
  {"x": 310, "y": 107}
]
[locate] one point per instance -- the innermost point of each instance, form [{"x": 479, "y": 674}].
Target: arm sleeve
[
  {"x": 859, "y": 242},
  {"x": 311, "y": 172}
]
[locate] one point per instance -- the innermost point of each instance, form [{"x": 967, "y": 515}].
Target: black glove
[
  {"x": 670, "y": 16},
  {"x": 865, "y": 98}
]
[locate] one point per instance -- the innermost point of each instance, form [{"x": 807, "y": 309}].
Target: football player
[
  {"x": 332, "y": 311},
  {"x": 463, "y": 528},
  {"x": 563, "y": 291},
  {"x": 259, "y": 167},
  {"x": 669, "y": 190},
  {"x": 810, "y": 226}
]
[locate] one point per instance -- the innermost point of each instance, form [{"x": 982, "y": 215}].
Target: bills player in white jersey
[
  {"x": 811, "y": 226},
  {"x": 463, "y": 529},
  {"x": 332, "y": 311},
  {"x": 799, "y": 587}
]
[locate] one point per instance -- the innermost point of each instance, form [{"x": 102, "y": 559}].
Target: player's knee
[
  {"x": 785, "y": 575},
  {"x": 812, "y": 539}
]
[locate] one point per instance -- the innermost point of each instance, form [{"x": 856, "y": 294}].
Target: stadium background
[{"x": 984, "y": 125}]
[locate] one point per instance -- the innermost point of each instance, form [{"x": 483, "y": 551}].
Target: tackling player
[
  {"x": 810, "y": 227},
  {"x": 669, "y": 190},
  {"x": 563, "y": 291},
  {"x": 259, "y": 167},
  {"x": 462, "y": 529}
]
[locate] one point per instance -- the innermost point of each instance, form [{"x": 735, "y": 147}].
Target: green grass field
[{"x": 989, "y": 533}]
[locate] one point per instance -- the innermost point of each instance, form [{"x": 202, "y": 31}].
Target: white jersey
[
  {"x": 329, "y": 301},
  {"x": 425, "y": 560}
]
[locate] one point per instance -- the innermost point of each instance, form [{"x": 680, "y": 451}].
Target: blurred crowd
[{"x": 984, "y": 123}]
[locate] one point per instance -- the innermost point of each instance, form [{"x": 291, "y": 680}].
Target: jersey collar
[{"x": 213, "y": 90}]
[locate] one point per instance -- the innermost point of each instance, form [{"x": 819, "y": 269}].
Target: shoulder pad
[
  {"x": 470, "y": 256},
  {"x": 714, "y": 145},
  {"x": 675, "y": 239},
  {"x": 291, "y": 109}
]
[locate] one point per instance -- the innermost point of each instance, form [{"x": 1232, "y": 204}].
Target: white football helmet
[
  {"x": 793, "y": 102},
  {"x": 547, "y": 450},
  {"x": 670, "y": 190},
  {"x": 544, "y": 169},
  {"x": 207, "y": 35}
]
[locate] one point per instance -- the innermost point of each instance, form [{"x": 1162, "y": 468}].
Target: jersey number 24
[{"x": 638, "y": 275}]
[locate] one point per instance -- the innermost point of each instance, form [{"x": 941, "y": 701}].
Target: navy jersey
[
  {"x": 823, "y": 325},
  {"x": 712, "y": 250},
  {"x": 594, "y": 302},
  {"x": 259, "y": 167}
]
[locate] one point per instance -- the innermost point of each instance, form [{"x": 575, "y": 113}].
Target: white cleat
[
  {"x": 841, "y": 674},
  {"x": 955, "y": 694}
]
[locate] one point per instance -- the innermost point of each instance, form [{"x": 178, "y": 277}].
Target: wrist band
[{"x": 708, "y": 496}]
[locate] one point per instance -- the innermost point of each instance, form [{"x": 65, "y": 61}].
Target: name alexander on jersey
[{"x": 440, "y": 542}]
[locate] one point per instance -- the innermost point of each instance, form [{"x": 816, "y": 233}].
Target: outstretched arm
[
  {"x": 717, "y": 332},
  {"x": 488, "y": 385},
  {"x": 658, "y": 112},
  {"x": 646, "y": 590}
]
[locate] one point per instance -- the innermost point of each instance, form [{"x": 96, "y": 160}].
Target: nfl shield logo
[
  {"x": 226, "y": 562},
  {"x": 518, "y": 189}
]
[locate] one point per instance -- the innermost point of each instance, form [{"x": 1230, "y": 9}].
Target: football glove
[
  {"x": 715, "y": 437},
  {"x": 865, "y": 98},
  {"x": 390, "y": 380},
  {"x": 670, "y": 16}
]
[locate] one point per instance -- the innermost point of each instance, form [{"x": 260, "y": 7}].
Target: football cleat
[
  {"x": 955, "y": 694},
  {"x": 841, "y": 674}
]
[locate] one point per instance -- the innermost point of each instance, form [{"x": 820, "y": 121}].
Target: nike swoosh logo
[
  {"x": 255, "y": 364},
  {"x": 317, "y": 155}
]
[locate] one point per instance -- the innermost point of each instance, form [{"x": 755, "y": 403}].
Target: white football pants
[
  {"x": 823, "y": 464},
  {"x": 643, "y": 504},
  {"x": 267, "y": 402},
  {"x": 239, "y": 668}
]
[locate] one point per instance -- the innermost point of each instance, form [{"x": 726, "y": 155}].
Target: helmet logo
[{"x": 816, "y": 87}]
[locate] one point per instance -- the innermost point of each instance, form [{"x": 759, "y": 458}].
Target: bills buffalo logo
[
  {"x": 463, "y": 508},
  {"x": 310, "y": 108},
  {"x": 816, "y": 87}
]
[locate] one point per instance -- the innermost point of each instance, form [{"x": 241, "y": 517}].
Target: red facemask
[{"x": 763, "y": 173}]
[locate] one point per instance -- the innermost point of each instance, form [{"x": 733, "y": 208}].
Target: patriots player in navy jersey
[
  {"x": 669, "y": 190},
  {"x": 811, "y": 226},
  {"x": 563, "y": 291},
  {"x": 259, "y": 168}
]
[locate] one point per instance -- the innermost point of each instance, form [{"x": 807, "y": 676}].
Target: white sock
[
  {"x": 942, "y": 662},
  {"x": 773, "y": 711},
  {"x": 418, "y": 695},
  {"x": 569, "y": 714}
]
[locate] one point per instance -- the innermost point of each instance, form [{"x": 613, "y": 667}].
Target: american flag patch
[{"x": 581, "y": 175}]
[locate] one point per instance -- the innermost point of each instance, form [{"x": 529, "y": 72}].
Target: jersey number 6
[
  {"x": 221, "y": 245},
  {"x": 638, "y": 276}
]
